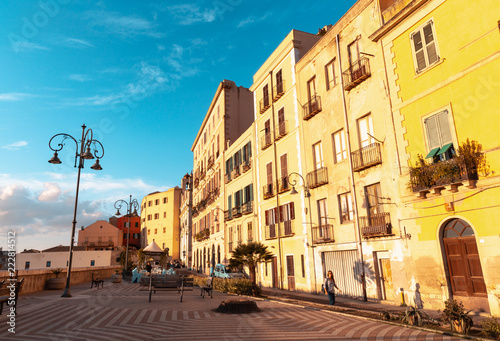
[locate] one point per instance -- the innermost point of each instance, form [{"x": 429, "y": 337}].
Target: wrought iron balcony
[
  {"x": 278, "y": 90},
  {"x": 236, "y": 211},
  {"x": 264, "y": 105},
  {"x": 246, "y": 165},
  {"x": 366, "y": 157},
  {"x": 227, "y": 178},
  {"x": 202, "y": 174},
  {"x": 196, "y": 182},
  {"x": 287, "y": 228},
  {"x": 268, "y": 191},
  {"x": 312, "y": 107},
  {"x": 202, "y": 235},
  {"x": 271, "y": 231},
  {"x": 318, "y": 177},
  {"x": 266, "y": 140},
  {"x": 247, "y": 207},
  {"x": 283, "y": 185},
  {"x": 236, "y": 172},
  {"x": 210, "y": 162},
  {"x": 281, "y": 130},
  {"x": 322, "y": 234},
  {"x": 376, "y": 225},
  {"x": 228, "y": 215},
  {"x": 356, "y": 73}
]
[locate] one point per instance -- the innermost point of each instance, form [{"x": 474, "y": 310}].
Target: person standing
[
  {"x": 330, "y": 287},
  {"x": 148, "y": 267}
]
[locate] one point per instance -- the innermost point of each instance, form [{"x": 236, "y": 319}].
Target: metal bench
[
  {"x": 207, "y": 289},
  {"x": 167, "y": 283},
  {"x": 5, "y": 293}
]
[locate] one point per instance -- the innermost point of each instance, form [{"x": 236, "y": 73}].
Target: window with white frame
[
  {"x": 330, "y": 74},
  {"x": 365, "y": 131},
  {"x": 439, "y": 136},
  {"x": 346, "y": 208},
  {"x": 322, "y": 213},
  {"x": 424, "y": 47},
  {"x": 318, "y": 156},
  {"x": 339, "y": 146}
]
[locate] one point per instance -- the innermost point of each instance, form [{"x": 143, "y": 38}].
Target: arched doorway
[{"x": 464, "y": 265}]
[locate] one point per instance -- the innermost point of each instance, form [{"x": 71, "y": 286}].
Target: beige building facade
[
  {"x": 100, "y": 235},
  {"x": 228, "y": 116}
]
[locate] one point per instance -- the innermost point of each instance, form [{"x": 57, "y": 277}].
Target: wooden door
[
  {"x": 290, "y": 270},
  {"x": 386, "y": 279},
  {"x": 464, "y": 265},
  {"x": 275, "y": 272}
]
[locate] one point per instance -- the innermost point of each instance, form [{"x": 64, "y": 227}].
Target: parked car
[{"x": 224, "y": 271}]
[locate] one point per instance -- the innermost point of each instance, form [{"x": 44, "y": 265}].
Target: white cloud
[
  {"x": 79, "y": 78},
  {"x": 51, "y": 193},
  {"x": 125, "y": 26},
  {"x": 14, "y": 96},
  {"x": 188, "y": 14},
  {"x": 26, "y": 46},
  {"x": 252, "y": 19},
  {"x": 15, "y": 145},
  {"x": 77, "y": 43}
]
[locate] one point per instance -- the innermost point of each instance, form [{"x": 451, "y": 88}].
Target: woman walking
[{"x": 330, "y": 287}]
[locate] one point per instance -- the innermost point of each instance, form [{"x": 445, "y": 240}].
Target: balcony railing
[
  {"x": 209, "y": 198},
  {"x": 356, "y": 73},
  {"x": 247, "y": 207},
  {"x": 271, "y": 231},
  {"x": 228, "y": 215},
  {"x": 392, "y": 10},
  {"x": 322, "y": 234},
  {"x": 227, "y": 178},
  {"x": 440, "y": 174},
  {"x": 312, "y": 107},
  {"x": 202, "y": 235},
  {"x": 246, "y": 165},
  {"x": 268, "y": 191},
  {"x": 236, "y": 172},
  {"x": 283, "y": 185},
  {"x": 236, "y": 211},
  {"x": 278, "y": 90},
  {"x": 281, "y": 130},
  {"x": 318, "y": 177},
  {"x": 216, "y": 192},
  {"x": 196, "y": 182},
  {"x": 376, "y": 225},
  {"x": 202, "y": 173},
  {"x": 287, "y": 228},
  {"x": 210, "y": 162},
  {"x": 264, "y": 105},
  {"x": 366, "y": 157},
  {"x": 266, "y": 140}
]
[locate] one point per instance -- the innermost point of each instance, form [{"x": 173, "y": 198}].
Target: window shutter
[
  {"x": 251, "y": 192},
  {"x": 249, "y": 148},
  {"x": 430, "y": 44},
  {"x": 275, "y": 211},
  {"x": 292, "y": 210},
  {"x": 229, "y": 202},
  {"x": 284, "y": 166},
  {"x": 419, "y": 51},
  {"x": 267, "y": 217},
  {"x": 444, "y": 127},
  {"x": 432, "y": 132},
  {"x": 281, "y": 212}
]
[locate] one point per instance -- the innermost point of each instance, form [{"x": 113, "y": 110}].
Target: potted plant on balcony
[
  {"x": 471, "y": 154},
  {"x": 421, "y": 178},
  {"x": 56, "y": 283}
]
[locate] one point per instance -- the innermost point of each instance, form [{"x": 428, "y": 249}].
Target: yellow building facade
[
  {"x": 160, "y": 220},
  {"x": 349, "y": 161},
  {"x": 277, "y": 155},
  {"x": 443, "y": 67}
]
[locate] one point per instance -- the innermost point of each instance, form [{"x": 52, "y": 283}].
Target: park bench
[
  {"x": 6, "y": 290},
  {"x": 207, "y": 288},
  {"x": 96, "y": 281},
  {"x": 167, "y": 283}
]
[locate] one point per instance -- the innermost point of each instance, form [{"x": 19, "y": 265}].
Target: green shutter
[
  {"x": 433, "y": 153},
  {"x": 444, "y": 149}
]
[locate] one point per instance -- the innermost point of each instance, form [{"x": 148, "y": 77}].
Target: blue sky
[{"x": 140, "y": 74}]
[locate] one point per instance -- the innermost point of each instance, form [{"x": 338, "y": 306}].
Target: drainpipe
[
  {"x": 351, "y": 172},
  {"x": 277, "y": 180}
]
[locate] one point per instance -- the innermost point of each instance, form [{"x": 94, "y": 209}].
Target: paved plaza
[{"x": 122, "y": 312}]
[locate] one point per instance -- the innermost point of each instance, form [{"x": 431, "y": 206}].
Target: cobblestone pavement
[{"x": 122, "y": 312}]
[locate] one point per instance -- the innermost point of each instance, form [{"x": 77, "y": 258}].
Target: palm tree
[{"x": 250, "y": 255}]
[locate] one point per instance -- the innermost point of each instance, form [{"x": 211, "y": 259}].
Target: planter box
[{"x": 56, "y": 283}]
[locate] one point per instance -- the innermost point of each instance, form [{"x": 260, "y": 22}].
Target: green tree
[
  {"x": 251, "y": 255},
  {"x": 130, "y": 263},
  {"x": 141, "y": 257}
]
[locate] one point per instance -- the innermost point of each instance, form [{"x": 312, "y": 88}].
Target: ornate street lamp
[
  {"x": 131, "y": 204},
  {"x": 83, "y": 152}
]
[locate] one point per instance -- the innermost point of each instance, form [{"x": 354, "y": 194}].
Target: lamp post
[
  {"x": 129, "y": 205},
  {"x": 307, "y": 194},
  {"x": 82, "y": 153}
]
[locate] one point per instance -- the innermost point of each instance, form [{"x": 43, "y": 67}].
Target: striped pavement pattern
[{"x": 122, "y": 312}]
